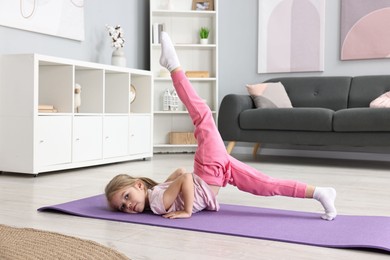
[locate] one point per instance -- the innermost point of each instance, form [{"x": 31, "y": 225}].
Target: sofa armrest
[{"x": 229, "y": 112}]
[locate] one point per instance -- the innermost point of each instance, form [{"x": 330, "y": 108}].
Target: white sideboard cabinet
[{"x": 41, "y": 130}]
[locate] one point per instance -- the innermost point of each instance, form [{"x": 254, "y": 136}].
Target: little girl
[{"x": 185, "y": 193}]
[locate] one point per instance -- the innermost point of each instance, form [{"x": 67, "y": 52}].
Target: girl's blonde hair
[{"x": 123, "y": 180}]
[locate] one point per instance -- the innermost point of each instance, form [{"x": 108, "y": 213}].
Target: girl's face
[{"x": 131, "y": 199}]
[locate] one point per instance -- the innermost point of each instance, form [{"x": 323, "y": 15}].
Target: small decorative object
[
  {"x": 204, "y": 35},
  {"x": 77, "y": 97},
  {"x": 133, "y": 93},
  {"x": 174, "y": 106},
  {"x": 164, "y": 73},
  {"x": 203, "y": 5},
  {"x": 118, "y": 55},
  {"x": 166, "y": 100},
  {"x": 168, "y": 5}
]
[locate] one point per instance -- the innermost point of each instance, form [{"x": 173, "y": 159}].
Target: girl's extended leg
[
  {"x": 211, "y": 157},
  {"x": 213, "y": 163},
  {"x": 247, "y": 178}
]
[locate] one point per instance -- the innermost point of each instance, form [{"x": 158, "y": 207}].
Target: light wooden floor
[{"x": 363, "y": 188}]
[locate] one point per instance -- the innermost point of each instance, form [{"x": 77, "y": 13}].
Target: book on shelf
[
  {"x": 157, "y": 28},
  {"x": 47, "y": 109},
  {"x": 197, "y": 74}
]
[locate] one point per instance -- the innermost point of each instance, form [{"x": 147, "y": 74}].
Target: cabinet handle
[
  {"x": 41, "y": 141},
  {"x": 77, "y": 139}
]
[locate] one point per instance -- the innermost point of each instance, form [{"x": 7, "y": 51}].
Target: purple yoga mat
[{"x": 365, "y": 232}]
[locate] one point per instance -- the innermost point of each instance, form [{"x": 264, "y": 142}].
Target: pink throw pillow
[{"x": 382, "y": 101}]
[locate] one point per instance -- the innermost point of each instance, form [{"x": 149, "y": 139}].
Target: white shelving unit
[
  {"x": 107, "y": 128},
  {"x": 183, "y": 24}
]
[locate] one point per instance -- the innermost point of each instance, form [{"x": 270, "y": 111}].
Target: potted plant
[{"x": 204, "y": 35}]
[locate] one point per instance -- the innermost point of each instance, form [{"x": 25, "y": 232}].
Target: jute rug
[{"x": 28, "y": 243}]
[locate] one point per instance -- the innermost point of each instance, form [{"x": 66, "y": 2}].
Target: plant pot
[
  {"x": 118, "y": 58},
  {"x": 204, "y": 41}
]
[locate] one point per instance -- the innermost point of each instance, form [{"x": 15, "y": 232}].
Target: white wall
[{"x": 132, "y": 15}]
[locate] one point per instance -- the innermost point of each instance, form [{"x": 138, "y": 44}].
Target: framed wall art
[
  {"x": 365, "y": 33},
  {"x": 62, "y": 18},
  {"x": 291, "y": 36}
]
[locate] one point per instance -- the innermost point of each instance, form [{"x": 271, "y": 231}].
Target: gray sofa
[{"x": 326, "y": 111}]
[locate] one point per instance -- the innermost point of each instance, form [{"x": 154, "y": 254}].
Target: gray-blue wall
[
  {"x": 237, "y": 41},
  {"x": 132, "y": 15}
]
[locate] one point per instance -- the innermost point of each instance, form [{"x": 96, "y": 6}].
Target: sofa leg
[
  {"x": 230, "y": 146},
  {"x": 255, "y": 149}
]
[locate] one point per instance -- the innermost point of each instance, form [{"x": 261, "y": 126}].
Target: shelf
[
  {"x": 189, "y": 46},
  {"x": 174, "y": 145},
  {"x": 191, "y": 79},
  {"x": 183, "y": 13},
  {"x": 182, "y": 25},
  {"x": 54, "y": 114},
  {"x": 175, "y": 112},
  {"x": 44, "y": 132}
]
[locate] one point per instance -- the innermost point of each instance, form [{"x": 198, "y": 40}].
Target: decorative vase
[
  {"x": 118, "y": 58},
  {"x": 204, "y": 41}
]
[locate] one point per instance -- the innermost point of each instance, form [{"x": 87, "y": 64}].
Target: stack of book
[{"x": 46, "y": 109}]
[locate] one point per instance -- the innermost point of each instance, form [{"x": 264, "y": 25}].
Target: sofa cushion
[
  {"x": 362, "y": 120},
  {"x": 325, "y": 92},
  {"x": 297, "y": 119},
  {"x": 269, "y": 95}
]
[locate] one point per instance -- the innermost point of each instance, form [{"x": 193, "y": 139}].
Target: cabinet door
[
  {"x": 115, "y": 136},
  {"x": 140, "y": 134},
  {"x": 87, "y": 138},
  {"x": 54, "y": 137}
]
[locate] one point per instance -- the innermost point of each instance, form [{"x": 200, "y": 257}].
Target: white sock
[
  {"x": 326, "y": 196},
  {"x": 168, "y": 58}
]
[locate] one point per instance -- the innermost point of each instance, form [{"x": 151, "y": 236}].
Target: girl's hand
[{"x": 177, "y": 214}]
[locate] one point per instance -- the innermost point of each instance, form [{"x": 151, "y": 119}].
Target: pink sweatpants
[{"x": 212, "y": 162}]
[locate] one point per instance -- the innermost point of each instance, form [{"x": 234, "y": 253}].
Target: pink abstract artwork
[
  {"x": 291, "y": 35},
  {"x": 365, "y": 30}
]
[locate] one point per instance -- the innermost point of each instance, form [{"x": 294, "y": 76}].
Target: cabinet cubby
[
  {"x": 117, "y": 87},
  {"x": 55, "y": 84},
  {"x": 92, "y": 83}
]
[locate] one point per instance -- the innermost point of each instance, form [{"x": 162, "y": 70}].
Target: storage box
[
  {"x": 197, "y": 74},
  {"x": 182, "y": 138}
]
